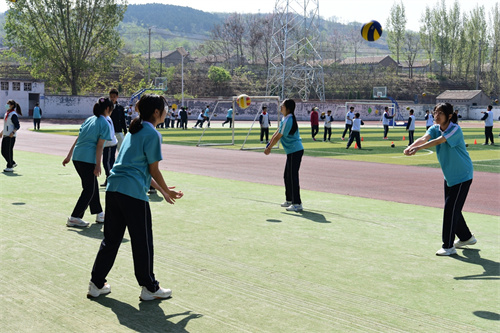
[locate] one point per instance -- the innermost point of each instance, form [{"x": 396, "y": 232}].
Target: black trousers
[
  {"x": 386, "y": 130},
  {"x": 228, "y": 120},
  {"x": 123, "y": 211},
  {"x": 354, "y": 135},
  {"x": 172, "y": 122},
  {"x": 90, "y": 192},
  {"x": 347, "y": 127},
  {"x": 167, "y": 122},
  {"x": 108, "y": 158},
  {"x": 264, "y": 131},
  {"x": 8, "y": 150},
  {"x": 291, "y": 177},
  {"x": 314, "y": 130},
  {"x": 453, "y": 220},
  {"x": 36, "y": 123},
  {"x": 410, "y": 137},
  {"x": 488, "y": 133},
  {"x": 328, "y": 130}
]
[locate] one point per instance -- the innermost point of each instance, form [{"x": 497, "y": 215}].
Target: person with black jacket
[{"x": 118, "y": 118}]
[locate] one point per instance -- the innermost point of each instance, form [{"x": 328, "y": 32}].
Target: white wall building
[{"x": 24, "y": 91}]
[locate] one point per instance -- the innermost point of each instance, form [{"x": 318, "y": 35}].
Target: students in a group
[
  {"x": 127, "y": 203},
  {"x": 10, "y": 127},
  {"x": 86, "y": 154},
  {"x": 410, "y": 127},
  {"x": 456, "y": 165},
  {"x": 288, "y": 135}
]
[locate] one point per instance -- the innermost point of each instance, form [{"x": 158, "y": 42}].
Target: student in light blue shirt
[
  {"x": 229, "y": 118},
  {"x": 288, "y": 135},
  {"x": 86, "y": 154},
  {"x": 127, "y": 203},
  {"x": 37, "y": 116},
  {"x": 456, "y": 165}
]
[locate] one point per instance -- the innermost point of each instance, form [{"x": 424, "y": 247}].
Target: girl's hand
[
  {"x": 267, "y": 151},
  {"x": 66, "y": 160},
  {"x": 171, "y": 196},
  {"x": 410, "y": 151},
  {"x": 97, "y": 170}
]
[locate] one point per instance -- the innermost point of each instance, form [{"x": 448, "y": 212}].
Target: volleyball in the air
[
  {"x": 371, "y": 31},
  {"x": 243, "y": 101},
  {"x": 424, "y": 94},
  {"x": 496, "y": 101}
]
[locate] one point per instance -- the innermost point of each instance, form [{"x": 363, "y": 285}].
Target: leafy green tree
[
  {"x": 218, "y": 76},
  {"x": 67, "y": 42},
  {"x": 396, "y": 28},
  {"x": 493, "y": 84}
]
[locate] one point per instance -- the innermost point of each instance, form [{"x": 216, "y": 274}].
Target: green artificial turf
[
  {"x": 374, "y": 148},
  {"x": 238, "y": 262}
]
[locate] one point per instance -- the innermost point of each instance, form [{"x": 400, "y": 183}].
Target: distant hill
[{"x": 177, "y": 19}]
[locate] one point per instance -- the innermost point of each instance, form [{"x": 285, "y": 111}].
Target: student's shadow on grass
[
  {"x": 309, "y": 215},
  {"x": 94, "y": 231},
  {"x": 472, "y": 256},
  {"x": 148, "y": 318},
  {"x": 154, "y": 197},
  {"x": 11, "y": 174}
]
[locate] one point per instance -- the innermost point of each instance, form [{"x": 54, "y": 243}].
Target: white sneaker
[
  {"x": 76, "y": 222},
  {"x": 459, "y": 244},
  {"x": 446, "y": 252},
  {"x": 95, "y": 292},
  {"x": 8, "y": 170},
  {"x": 99, "y": 218},
  {"x": 161, "y": 293},
  {"x": 286, "y": 204},
  {"x": 294, "y": 208}
]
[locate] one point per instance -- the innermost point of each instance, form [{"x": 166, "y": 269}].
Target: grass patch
[{"x": 237, "y": 262}]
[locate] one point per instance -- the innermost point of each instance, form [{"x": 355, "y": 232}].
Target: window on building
[
  {"x": 4, "y": 85},
  {"x": 16, "y": 86},
  {"x": 27, "y": 86}
]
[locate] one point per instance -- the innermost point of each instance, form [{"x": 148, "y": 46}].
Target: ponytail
[
  {"x": 290, "y": 106},
  {"x": 135, "y": 125},
  {"x": 15, "y": 106}
]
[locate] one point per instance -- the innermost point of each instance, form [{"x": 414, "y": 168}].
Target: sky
[{"x": 345, "y": 11}]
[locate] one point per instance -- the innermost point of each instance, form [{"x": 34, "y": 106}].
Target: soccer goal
[{"x": 221, "y": 107}]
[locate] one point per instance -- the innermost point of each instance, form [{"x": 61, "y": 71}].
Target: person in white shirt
[
  {"x": 386, "y": 121},
  {"x": 349, "y": 116},
  {"x": 429, "y": 119},
  {"x": 328, "y": 124},
  {"x": 488, "y": 125},
  {"x": 356, "y": 129},
  {"x": 264, "y": 125}
]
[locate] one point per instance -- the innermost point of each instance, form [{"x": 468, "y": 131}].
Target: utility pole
[
  {"x": 149, "y": 57},
  {"x": 478, "y": 66},
  {"x": 183, "y": 54}
]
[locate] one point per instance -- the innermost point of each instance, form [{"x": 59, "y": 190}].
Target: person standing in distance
[
  {"x": 349, "y": 116},
  {"x": 10, "y": 127},
  {"x": 356, "y": 130},
  {"x": 386, "y": 121},
  {"x": 328, "y": 125},
  {"x": 429, "y": 119},
  {"x": 456, "y": 165},
  {"x": 118, "y": 118},
  {"x": 314, "y": 122},
  {"x": 229, "y": 118},
  {"x": 264, "y": 125},
  {"x": 127, "y": 203},
  {"x": 488, "y": 125},
  {"x": 37, "y": 116},
  {"x": 288, "y": 135},
  {"x": 410, "y": 127}
]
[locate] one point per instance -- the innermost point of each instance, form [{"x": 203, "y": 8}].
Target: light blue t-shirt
[
  {"x": 207, "y": 112},
  {"x": 291, "y": 143},
  {"x": 130, "y": 174},
  {"x": 92, "y": 130},
  {"x": 36, "y": 113},
  {"x": 229, "y": 113},
  {"x": 452, "y": 154}
]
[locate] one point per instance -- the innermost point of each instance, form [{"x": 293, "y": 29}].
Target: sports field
[{"x": 238, "y": 262}]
